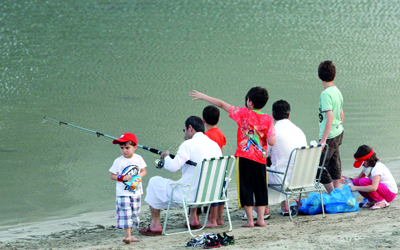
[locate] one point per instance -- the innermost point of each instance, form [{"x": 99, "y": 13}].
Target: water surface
[{"x": 119, "y": 66}]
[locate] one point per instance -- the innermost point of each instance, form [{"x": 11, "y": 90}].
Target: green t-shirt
[{"x": 331, "y": 99}]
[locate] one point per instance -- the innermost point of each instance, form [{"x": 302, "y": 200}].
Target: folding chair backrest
[
  {"x": 305, "y": 167},
  {"x": 212, "y": 178}
]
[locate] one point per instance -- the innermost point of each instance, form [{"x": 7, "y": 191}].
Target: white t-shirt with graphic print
[{"x": 133, "y": 166}]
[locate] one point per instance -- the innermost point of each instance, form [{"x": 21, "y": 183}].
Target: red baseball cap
[{"x": 126, "y": 137}]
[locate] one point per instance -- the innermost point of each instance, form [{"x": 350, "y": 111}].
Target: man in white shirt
[
  {"x": 196, "y": 147},
  {"x": 288, "y": 136}
]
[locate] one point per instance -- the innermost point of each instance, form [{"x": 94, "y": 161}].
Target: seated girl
[{"x": 375, "y": 182}]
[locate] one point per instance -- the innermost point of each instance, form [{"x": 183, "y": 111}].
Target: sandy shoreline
[{"x": 358, "y": 230}]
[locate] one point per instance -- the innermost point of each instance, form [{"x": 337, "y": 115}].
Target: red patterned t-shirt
[{"x": 253, "y": 130}]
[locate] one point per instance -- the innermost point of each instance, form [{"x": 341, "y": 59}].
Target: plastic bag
[
  {"x": 341, "y": 201},
  {"x": 312, "y": 204}
]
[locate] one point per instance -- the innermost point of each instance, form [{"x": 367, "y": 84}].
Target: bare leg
[
  {"x": 284, "y": 206},
  {"x": 249, "y": 213},
  {"x": 329, "y": 187},
  {"x": 197, "y": 215},
  {"x": 193, "y": 218},
  {"x": 336, "y": 183},
  {"x": 266, "y": 212},
  {"x": 260, "y": 216},
  {"x": 219, "y": 214},
  {"x": 155, "y": 224},
  {"x": 212, "y": 217},
  {"x": 128, "y": 235}
]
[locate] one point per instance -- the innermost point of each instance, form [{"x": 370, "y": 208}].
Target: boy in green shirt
[{"x": 331, "y": 118}]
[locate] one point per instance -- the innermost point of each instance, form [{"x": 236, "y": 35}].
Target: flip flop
[
  {"x": 194, "y": 227},
  {"x": 147, "y": 231},
  {"x": 379, "y": 205}
]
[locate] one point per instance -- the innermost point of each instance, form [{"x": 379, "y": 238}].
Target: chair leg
[
  {"x": 205, "y": 218},
  {"x": 185, "y": 208},
  {"x": 166, "y": 218},
  {"x": 322, "y": 204},
  {"x": 290, "y": 211},
  {"x": 229, "y": 216}
]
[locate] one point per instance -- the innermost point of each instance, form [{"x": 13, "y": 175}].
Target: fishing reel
[{"x": 159, "y": 163}]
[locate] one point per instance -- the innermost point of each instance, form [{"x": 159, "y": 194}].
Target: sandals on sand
[
  {"x": 147, "y": 231},
  {"x": 368, "y": 204},
  {"x": 380, "y": 204},
  {"x": 266, "y": 216}
]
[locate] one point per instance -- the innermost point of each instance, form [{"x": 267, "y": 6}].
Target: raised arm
[{"x": 214, "y": 101}]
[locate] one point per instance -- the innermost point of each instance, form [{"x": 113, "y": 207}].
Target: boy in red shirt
[
  {"x": 255, "y": 131},
  {"x": 211, "y": 118}
]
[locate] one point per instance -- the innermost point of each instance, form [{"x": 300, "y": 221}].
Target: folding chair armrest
[
  {"x": 274, "y": 171},
  {"x": 174, "y": 185}
]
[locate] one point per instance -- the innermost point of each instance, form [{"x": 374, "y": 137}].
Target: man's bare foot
[
  {"x": 248, "y": 224},
  {"x": 220, "y": 222},
  {"x": 155, "y": 227},
  {"x": 134, "y": 240},
  {"x": 194, "y": 221},
  {"x": 211, "y": 225}
]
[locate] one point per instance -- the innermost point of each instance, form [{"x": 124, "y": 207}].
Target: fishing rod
[{"x": 159, "y": 162}]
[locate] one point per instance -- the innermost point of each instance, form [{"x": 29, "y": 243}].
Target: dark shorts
[
  {"x": 253, "y": 183},
  {"x": 333, "y": 165}
]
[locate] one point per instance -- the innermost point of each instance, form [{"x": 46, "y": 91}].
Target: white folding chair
[
  {"x": 213, "y": 183},
  {"x": 304, "y": 174}
]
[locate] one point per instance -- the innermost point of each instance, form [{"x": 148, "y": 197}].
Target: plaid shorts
[{"x": 128, "y": 211}]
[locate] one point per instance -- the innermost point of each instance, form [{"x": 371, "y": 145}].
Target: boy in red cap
[
  {"x": 126, "y": 170},
  {"x": 375, "y": 182}
]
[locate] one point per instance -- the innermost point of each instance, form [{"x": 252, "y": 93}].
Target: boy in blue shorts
[
  {"x": 330, "y": 126},
  {"x": 255, "y": 132},
  {"x": 122, "y": 170}
]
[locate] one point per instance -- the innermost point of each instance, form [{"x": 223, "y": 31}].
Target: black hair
[
  {"x": 196, "y": 123},
  {"x": 127, "y": 143},
  {"x": 259, "y": 97},
  {"x": 363, "y": 150},
  {"x": 280, "y": 110},
  {"x": 326, "y": 71},
  {"x": 211, "y": 115}
]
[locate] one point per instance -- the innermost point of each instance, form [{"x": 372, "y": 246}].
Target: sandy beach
[{"x": 357, "y": 230}]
